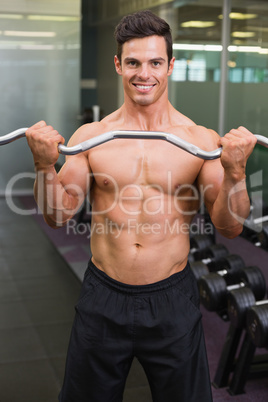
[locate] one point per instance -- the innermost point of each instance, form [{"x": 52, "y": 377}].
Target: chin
[{"x": 144, "y": 102}]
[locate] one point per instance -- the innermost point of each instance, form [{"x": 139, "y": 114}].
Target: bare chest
[{"x": 143, "y": 163}]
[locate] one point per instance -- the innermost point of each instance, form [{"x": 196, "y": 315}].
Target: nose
[{"x": 143, "y": 72}]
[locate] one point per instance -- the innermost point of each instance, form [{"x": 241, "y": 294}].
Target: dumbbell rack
[
  {"x": 242, "y": 366},
  {"x": 238, "y": 360}
]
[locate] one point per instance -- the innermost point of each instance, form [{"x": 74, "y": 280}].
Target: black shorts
[{"x": 159, "y": 323}]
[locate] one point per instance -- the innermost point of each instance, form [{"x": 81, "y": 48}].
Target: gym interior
[{"x": 56, "y": 64}]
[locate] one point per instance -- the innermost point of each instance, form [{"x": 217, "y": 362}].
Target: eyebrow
[{"x": 151, "y": 60}]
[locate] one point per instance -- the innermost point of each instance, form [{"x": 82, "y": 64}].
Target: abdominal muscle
[
  {"x": 141, "y": 213},
  {"x": 139, "y": 251}
]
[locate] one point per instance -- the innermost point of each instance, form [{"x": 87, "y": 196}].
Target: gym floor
[{"x": 38, "y": 291}]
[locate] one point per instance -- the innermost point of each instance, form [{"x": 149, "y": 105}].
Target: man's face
[{"x": 144, "y": 69}]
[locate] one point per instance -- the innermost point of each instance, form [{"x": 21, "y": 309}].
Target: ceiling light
[
  {"x": 263, "y": 51},
  {"x": 213, "y": 48},
  {"x": 13, "y": 44},
  {"x": 177, "y": 46},
  {"x": 231, "y": 63},
  {"x": 37, "y": 47},
  {"x": 255, "y": 28},
  {"x": 58, "y": 18},
  {"x": 11, "y": 16},
  {"x": 207, "y": 48},
  {"x": 240, "y": 34},
  {"x": 37, "y": 34},
  {"x": 245, "y": 49},
  {"x": 218, "y": 48},
  {"x": 249, "y": 49},
  {"x": 198, "y": 24},
  {"x": 240, "y": 16}
]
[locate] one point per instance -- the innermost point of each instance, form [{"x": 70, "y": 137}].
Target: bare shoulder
[
  {"x": 204, "y": 132},
  {"x": 192, "y": 132},
  {"x": 86, "y": 132},
  {"x": 179, "y": 119},
  {"x": 91, "y": 130},
  {"x": 206, "y": 138}
]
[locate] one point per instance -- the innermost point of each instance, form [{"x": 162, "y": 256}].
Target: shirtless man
[{"x": 139, "y": 297}]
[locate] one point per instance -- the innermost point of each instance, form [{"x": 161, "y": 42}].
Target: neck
[{"x": 147, "y": 118}]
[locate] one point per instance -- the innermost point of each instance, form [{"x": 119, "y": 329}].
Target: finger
[
  {"x": 38, "y": 125},
  {"x": 53, "y": 137},
  {"x": 58, "y": 139},
  {"x": 240, "y": 132},
  {"x": 44, "y": 132},
  {"x": 225, "y": 142},
  {"x": 46, "y": 135},
  {"x": 234, "y": 133},
  {"x": 50, "y": 135},
  {"x": 232, "y": 141},
  {"x": 248, "y": 135},
  {"x": 47, "y": 129},
  {"x": 245, "y": 130}
]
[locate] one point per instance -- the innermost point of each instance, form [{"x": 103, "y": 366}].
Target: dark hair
[{"x": 140, "y": 25}]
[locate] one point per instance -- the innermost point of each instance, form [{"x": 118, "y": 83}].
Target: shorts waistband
[{"x": 164, "y": 284}]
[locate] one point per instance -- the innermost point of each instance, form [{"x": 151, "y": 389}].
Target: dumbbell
[
  {"x": 257, "y": 323},
  {"x": 263, "y": 236},
  {"x": 198, "y": 245},
  {"x": 257, "y": 208},
  {"x": 239, "y": 300},
  {"x": 213, "y": 256},
  {"x": 228, "y": 267},
  {"x": 256, "y": 228},
  {"x": 213, "y": 288},
  {"x": 256, "y": 231}
]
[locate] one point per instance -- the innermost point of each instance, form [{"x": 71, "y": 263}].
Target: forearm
[
  {"x": 56, "y": 204},
  {"x": 231, "y": 207}
]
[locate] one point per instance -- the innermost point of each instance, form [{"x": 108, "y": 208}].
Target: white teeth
[{"x": 144, "y": 86}]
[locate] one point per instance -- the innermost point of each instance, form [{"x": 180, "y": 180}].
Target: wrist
[
  {"x": 44, "y": 168},
  {"x": 235, "y": 176}
]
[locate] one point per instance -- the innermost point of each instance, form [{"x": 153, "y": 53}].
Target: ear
[
  {"x": 117, "y": 64},
  {"x": 171, "y": 66}
]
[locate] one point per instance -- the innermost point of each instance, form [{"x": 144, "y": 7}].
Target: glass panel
[
  {"x": 40, "y": 76},
  {"x": 197, "y": 48},
  {"x": 247, "y": 96},
  {"x": 194, "y": 86}
]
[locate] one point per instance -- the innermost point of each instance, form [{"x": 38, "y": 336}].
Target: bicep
[
  {"x": 209, "y": 182},
  {"x": 75, "y": 176}
]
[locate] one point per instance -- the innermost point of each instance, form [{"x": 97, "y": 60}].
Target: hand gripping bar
[{"x": 111, "y": 135}]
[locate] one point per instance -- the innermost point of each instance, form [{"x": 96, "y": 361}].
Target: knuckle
[{"x": 30, "y": 133}]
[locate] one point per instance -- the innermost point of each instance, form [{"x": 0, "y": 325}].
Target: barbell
[{"x": 126, "y": 134}]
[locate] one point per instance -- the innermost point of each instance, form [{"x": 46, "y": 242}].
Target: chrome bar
[{"x": 129, "y": 134}]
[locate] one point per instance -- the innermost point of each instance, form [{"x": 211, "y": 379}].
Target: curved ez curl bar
[{"x": 111, "y": 135}]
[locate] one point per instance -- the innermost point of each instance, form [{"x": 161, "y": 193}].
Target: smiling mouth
[{"x": 144, "y": 88}]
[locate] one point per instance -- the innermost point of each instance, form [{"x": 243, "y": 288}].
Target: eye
[
  {"x": 156, "y": 63},
  {"x": 132, "y": 63}
]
